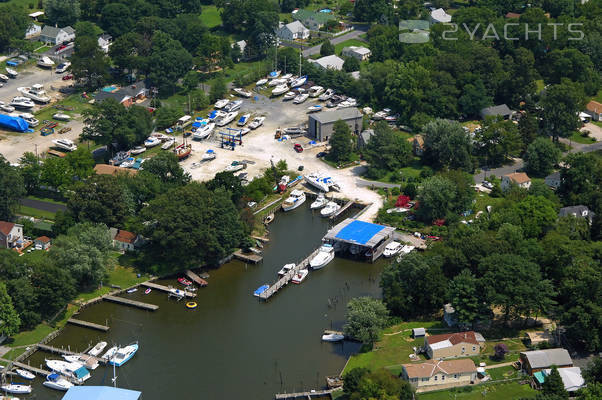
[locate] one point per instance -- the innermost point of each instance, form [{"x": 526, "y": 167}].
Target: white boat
[
  {"x": 320, "y": 202},
  {"x": 96, "y": 350},
  {"x": 314, "y": 108},
  {"x": 332, "y": 337},
  {"x": 73, "y": 358},
  {"x": 168, "y": 143},
  {"x": 261, "y": 82},
  {"x": 330, "y": 208},
  {"x": 138, "y": 150},
  {"x": 61, "y": 117},
  {"x": 152, "y": 141},
  {"x": 242, "y": 92},
  {"x": 243, "y": 120},
  {"x": 8, "y": 398},
  {"x": 257, "y": 122},
  {"x": 123, "y": 355},
  {"x": 347, "y": 103},
  {"x": 204, "y": 131},
  {"x": 235, "y": 166},
  {"x": 233, "y": 106},
  {"x": 16, "y": 388},
  {"x": 299, "y": 81},
  {"x": 72, "y": 370},
  {"x": 11, "y": 72},
  {"x": 22, "y": 102},
  {"x": 110, "y": 353},
  {"x": 45, "y": 62},
  {"x": 296, "y": 198},
  {"x": 3, "y": 78},
  {"x": 324, "y": 256},
  {"x": 392, "y": 248},
  {"x": 35, "y": 92},
  {"x": 280, "y": 89},
  {"x": 27, "y": 117},
  {"x": 227, "y": 118},
  {"x": 25, "y": 374},
  {"x": 244, "y": 131},
  {"x": 286, "y": 268},
  {"x": 301, "y": 98},
  {"x": 209, "y": 155},
  {"x": 215, "y": 115},
  {"x": 57, "y": 382},
  {"x": 379, "y": 116},
  {"x": 274, "y": 74},
  {"x": 277, "y": 82},
  {"x": 62, "y": 67},
  {"x": 221, "y": 103},
  {"x": 286, "y": 77},
  {"x": 128, "y": 163},
  {"x": 326, "y": 95},
  {"x": 300, "y": 276},
  {"x": 319, "y": 181},
  {"x": 407, "y": 249},
  {"x": 289, "y": 96},
  {"x": 315, "y": 91},
  {"x": 6, "y": 108}
]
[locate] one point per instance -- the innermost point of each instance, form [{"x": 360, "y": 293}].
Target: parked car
[
  {"x": 298, "y": 148},
  {"x": 67, "y": 77},
  {"x": 321, "y": 154}
]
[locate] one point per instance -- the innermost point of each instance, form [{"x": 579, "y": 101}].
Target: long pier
[
  {"x": 342, "y": 209},
  {"x": 269, "y": 292},
  {"x": 37, "y": 371},
  {"x": 165, "y": 289},
  {"x": 132, "y": 303},
  {"x": 87, "y": 324},
  {"x": 305, "y": 395}
]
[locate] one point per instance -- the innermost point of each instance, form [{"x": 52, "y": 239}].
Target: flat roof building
[
  {"x": 358, "y": 238},
  {"x": 321, "y": 124}
]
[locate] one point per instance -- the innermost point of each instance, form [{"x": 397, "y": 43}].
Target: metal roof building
[
  {"x": 321, "y": 125},
  {"x": 362, "y": 239},
  {"x": 537, "y": 360},
  {"x": 100, "y": 393}
]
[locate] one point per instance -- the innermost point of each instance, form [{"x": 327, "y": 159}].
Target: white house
[
  {"x": 440, "y": 16},
  {"x": 329, "y": 62},
  {"x": 361, "y": 53},
  {"x": 33, "y": 31},
  {"x": 294, "y": 30},
  {"x": 104, "y": 42},
  {"x": 53, "y": 35},
  {"x": 11, "y": 235}
]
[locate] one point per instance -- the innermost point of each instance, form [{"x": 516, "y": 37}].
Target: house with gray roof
[
  {"x": 127, "y": 95},
  {"x": 294, "y": 30},
  {"x": 501, "y": 110},
  {"x": 53, "y": 35},
  {"x": 321, "y": 125},
  {"x": 538, "y": 360},
  {"x": 553, "y": 180},
  {"x": 311, "y": 19},
  {"x": 578, "y": 212},
  {"x": 358, "y": 52},
  {"x": 329, "y": 62}
]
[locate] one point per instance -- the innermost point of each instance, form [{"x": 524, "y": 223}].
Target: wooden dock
[
  {"x": 165, "y": 289},
  {"x": 132, "y": 303},
  {"x": 342, "y": 209},
  {"x": 196, "y": 279},
  {"x": 37, "y": 371},
  {"x": 248, "y": 257},
  {"x": 87, "y": 324},
  {"x": 269, "y": 292},
  {"x": 304, "y": 395}
]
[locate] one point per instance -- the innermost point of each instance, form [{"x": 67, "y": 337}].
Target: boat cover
[
  {"x": 81, "y": 372},
  {"x": 100, "y": 393},
  {"x": 359, "y": 231},
  {"x": 13, "y": 123},
  {"x": 261, "y": 289},
  {"x": 197, "y": 124}
]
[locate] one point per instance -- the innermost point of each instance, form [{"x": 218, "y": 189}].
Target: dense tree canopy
[
  {"x": 11, "y": 189},
  {"x": 447, "y": 145},
  {"x": 365, "y": 319}
]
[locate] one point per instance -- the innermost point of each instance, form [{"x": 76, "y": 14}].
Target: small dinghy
[
  {"x": 16, "y": 388},
  {"x": 184, "y": 281},
  {"x": 61, "y": 117},
  {"x": 260, "y": 290},
  {"x": 147, "y": 291},
  {"x": 96, "y": 350},
  {"x": 25, "y": 374},
  {"x": 132, "y": 290},
  {"x": 314, "y": 108},
  {"x": 332, "y": 337}
]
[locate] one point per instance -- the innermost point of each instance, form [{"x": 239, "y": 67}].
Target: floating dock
[
  {"x": 87, "y": 324},
  {"x": 305, "y": 395},
  {"x": 165, "y": 289},
  {"x": 132, "y": 303},
  {"x": 286, "y": 278},
  {"x": 196, "y": 279},
  {"x": 251, "y": 258}
]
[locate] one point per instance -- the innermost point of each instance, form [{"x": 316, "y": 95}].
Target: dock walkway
[
  {"x": 305, "y": 395},
  {"x": 342, "y": 209},
  {"x": 133, "y": 303},
  {"x": 165, "y": 289},
  {"x": 269, "y": 292},
  {"x": 37, "y": 371},
  {"x": 195, "y": 278},
  {"x": 87, "y": 324},
  {"x": 248, "y": 257},
  {"x": 88, "y": 360}
]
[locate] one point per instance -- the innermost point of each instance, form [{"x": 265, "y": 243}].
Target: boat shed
[
  {"x": 321, "y": 125},
  {"x": 418, "y": 332},
  {"x": 361, "y": 239},
  {"x": 100, "y": 393}
]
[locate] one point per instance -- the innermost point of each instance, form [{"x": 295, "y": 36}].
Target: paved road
[
  {"x": 42, "y": 205},
  {"x": 354, "y": 34}
]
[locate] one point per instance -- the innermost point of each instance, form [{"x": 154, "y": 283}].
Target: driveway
[
  {"x": 354, "y": 34},
  {"x": 42, "y": 205},
  {"x": 595, "y": 131}
]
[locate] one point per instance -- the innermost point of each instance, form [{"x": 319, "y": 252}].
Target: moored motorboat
[
  {"x": 260, "y": 290},
  {"x": 132, "y": 290},
  {"x": 286, "y": 268},
  {"x": 300, "y": 276},
  {"x": 57, "y": 382},
  {"x": 296, "y": 198},
  {"x": 392, "y": 248},
  {"x": 71, "y": 358},
  {"x": 330, "y": 209},
  {"x": 72, "y": 370},
  {"x": 324, "y": 256},
  {"x": 280, "y": 89},
  {"x": 110, "y": 353},
  {"x": 332, "y": 337},
  {"x": 184, "y": 281},
  {"x": 148, "y": 290},
  {"x": 96, "y": 350},
  {"x": 209, "y": 155},
  {"x": 124, "y": 354},
  {"x": 25, "y": 374},
  {"x": 319, "y": 202},
  {"x": 15, "y": 388}
]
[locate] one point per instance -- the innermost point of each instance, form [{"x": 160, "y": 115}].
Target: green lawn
[
  {"x": 501, "y": 391},
  {"x": 210, "y": 16},
  {"x": 351, "y": 42},
  {"x": 120, "y": 276},
  {"x": 506, "y": 372},
  {"x": 42, "y": 49},
  {"x": 598, "y": 97},
  {"x": 76, "y": 101},
  {"x": 576, "y": 137},
  {"x": 34, "y": 212}
]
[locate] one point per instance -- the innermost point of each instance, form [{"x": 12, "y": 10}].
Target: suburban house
[
  {"x": 104, "y": 42},
  {"x": 578, "y": 212},
  {"x": 329, "y": 62},
  {"x": 553, "y": 180},
  {"x": 571, "y": 378},
  {"x": 519, "y": 178},
  {"x": 501, "y": 110},
  {"x": 311, "y": 19},
  {"x": 11, "y": 235},
  {"x": 106, "y": 169},
  {"x": 125, "y": 240},
  {"x": 450, "y": 345},
  {"x": 438, "y": 372},
  {"x": 127, "y": 95},
  {"x": 538, "y": 360},
  {"x": 42, "y": 242},
  {"x": 294, "y": 30},
  {"x": 53, "y": 35},
  {"x": 321, "y": 125},
  {"x": 440, "y": 16},
  {"x": 594, "y": 109},
  {"x": 417, "y": 143},
  {"x": 33, "y": 31},
  {"x": 361, "y": 53},
  {"x": 364, "y": 138}
]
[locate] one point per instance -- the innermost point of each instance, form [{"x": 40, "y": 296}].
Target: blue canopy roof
[
  {"x": 81, "y": 372},
  {"x": 13, "y": 123},
  {"x": 100, "y": 393},
  {"x": 359, "y": 231}
]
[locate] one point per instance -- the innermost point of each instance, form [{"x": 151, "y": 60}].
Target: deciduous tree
[
  {"x": 341, "y": 145},
  {"x": 365, "y": 319},
  {"x": 541, "y": 156},
  {"x": 8, "y": 314},
  {"x": 12, "y": 189}
]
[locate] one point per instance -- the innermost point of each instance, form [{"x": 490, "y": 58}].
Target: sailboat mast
[{"x": 300, "y": 62}]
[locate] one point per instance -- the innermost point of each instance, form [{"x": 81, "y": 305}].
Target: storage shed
[{"x": 418, "y": 332}]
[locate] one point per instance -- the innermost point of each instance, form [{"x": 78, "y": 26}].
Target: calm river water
[{"x": 233, "y": 346}]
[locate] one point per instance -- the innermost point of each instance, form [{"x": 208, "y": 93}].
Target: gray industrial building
[{"x": 321, "y": 124}]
